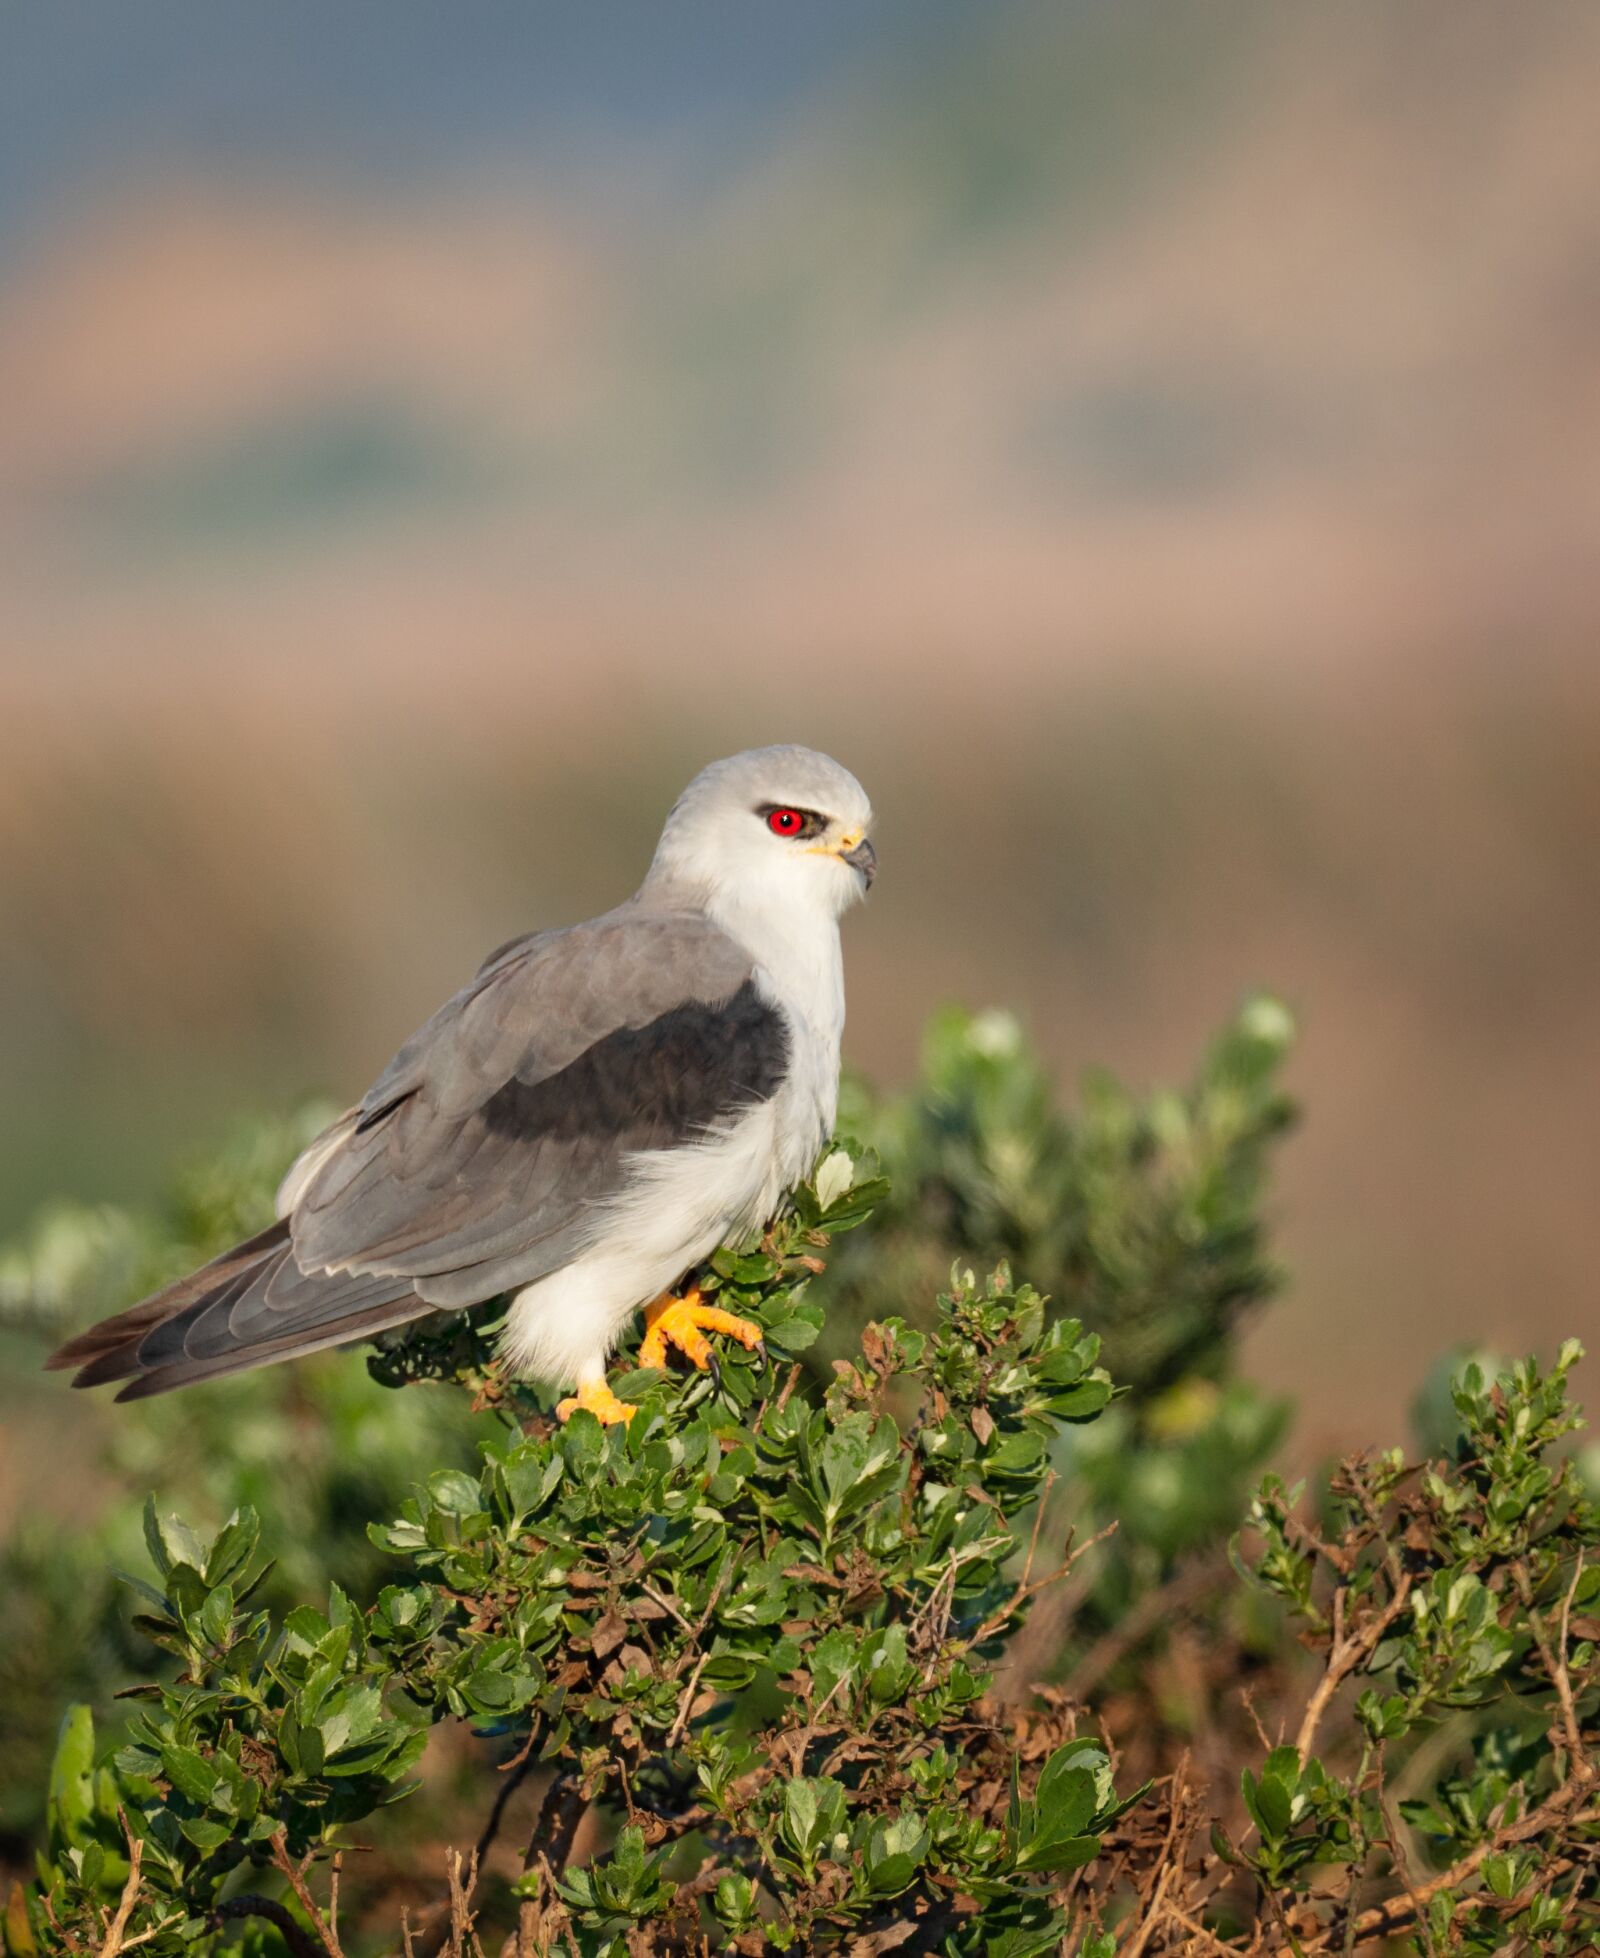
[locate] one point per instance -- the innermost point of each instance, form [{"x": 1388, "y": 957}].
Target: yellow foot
[
  {"x": 684, "y": 1323},
  {"x": 597, "y": 1397}
]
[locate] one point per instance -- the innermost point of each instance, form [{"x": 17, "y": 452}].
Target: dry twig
[{"x": 116, "y": 1933}]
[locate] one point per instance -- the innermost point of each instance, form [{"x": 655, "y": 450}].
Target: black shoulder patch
[{"x": 652, "y": 1086}]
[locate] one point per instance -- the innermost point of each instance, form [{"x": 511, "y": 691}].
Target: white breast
[{"x": 681, "y": 1203}]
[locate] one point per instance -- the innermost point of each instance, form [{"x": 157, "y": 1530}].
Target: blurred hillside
[{"x": 1155, "y": 451}]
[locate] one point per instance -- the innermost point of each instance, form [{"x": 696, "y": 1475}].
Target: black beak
[{"x": 863, "y": 858}]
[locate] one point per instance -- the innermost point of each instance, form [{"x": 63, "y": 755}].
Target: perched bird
[{"x": 580, "y": 1126}]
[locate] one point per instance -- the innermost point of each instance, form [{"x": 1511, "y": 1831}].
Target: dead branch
[{"x": 116, "y": 1933}]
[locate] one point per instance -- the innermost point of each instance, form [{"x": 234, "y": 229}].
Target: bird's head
[{"x": 784, "y": 826}]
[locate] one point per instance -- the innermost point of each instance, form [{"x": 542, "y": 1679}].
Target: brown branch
[
  {"x": 116, "y": 1931},
  {"x": 1198, "y": 1930},
  {"x": 463, "y": 1936},
  {"x": 1355, "y": 1878},
  {"x": 296, "y": 1875},
  {"x": 1040, "y": 1506},
  {"x": 1151, "y": 1910},
  {"x": 559, "y": 1815},
  {"x": 1274, "y": 1904},
  {"x": 62, "y": 1931},
  {"x": 1555, "y": 1657},
  {"x": 116, "y": 1937},
  {"x": 1150, "y": 1922},
  {"x": 1563, "y": 1672},
  {"x": 1394, "y": 1914},
  {"x": 155, "y": 1930},
  {"x": 1247, "y": 1701},
  {"x": 681, "y": 1824},
  {"x": 336, "y": 1869},
  {"x": 447, "y": 1936},
  {"x": 1349, "y": 1649},
  {"x": 517, "y": 1772},
  {"x": 685, "y": 1703},
  {"x": 666, "y": 1605},
  {"x": 541, "y": 1918},
  {"x": 1402, "y": 1864},
  {"x": 1025, "y": 1590},
  {"x": 696, "y": 1631},
  {"x": 295, "y": 1934},
  {"x": 1379, "y": 1532}
]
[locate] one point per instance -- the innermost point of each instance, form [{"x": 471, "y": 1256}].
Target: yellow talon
[
  {"x": 684, "y": 1323},
  {"x": 596, "y": 1396}
]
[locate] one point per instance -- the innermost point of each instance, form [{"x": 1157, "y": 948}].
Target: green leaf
[
  {"x": 800, "y": 1812},
  {"x": 1067, "y": 1792},
  {"x": 1500, "y": 1873},
  {"x": 171, "y": 1542},
  {"x": 1053, "y": 1831},
  {"x": 793, "y": 1334},
  {"x": 71, "y": 1794},
  {"x": 1269, "y": 1802},
  {"x": 204, "y": 1833},
  {"x": 531, "y": 1479},
  {"x": 813, "y": 1815},
  {"x": 455, "y": 1492},
  {"x": 216, "y": 1614},
  {"x": 734, "y": 1900},
  {"x": 189, "y": 1773},
  {"x": 233, "y": 1548},
  {"x": 1082, "y": 1402},
  {"x": 895, "y": 1851},
  {"x": 1058, "y": 1852},
  {"x": 349, "y": 1717}
]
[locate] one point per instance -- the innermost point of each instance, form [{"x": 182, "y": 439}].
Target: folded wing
[{"x": 482, "y": 1157}]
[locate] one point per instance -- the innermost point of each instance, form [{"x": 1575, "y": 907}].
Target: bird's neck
[{"x": 798, "y": 948}]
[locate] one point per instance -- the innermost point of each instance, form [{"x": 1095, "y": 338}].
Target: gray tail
[{"x": 245, "y": 1309}]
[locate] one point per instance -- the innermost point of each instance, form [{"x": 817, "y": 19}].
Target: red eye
[{"x": 785, "y": 822}]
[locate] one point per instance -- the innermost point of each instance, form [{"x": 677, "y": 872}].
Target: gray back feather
[{"x": 482, "y": 1153}]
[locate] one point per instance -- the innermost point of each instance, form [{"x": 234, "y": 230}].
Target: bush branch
[
  {"x": 1385, "y": 1918},
  {"x": 1347, "y": 1653},
  {"x": 295, "y": 1935}
]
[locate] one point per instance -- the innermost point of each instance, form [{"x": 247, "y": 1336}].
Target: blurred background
[{"x": 1155, "y": 449}]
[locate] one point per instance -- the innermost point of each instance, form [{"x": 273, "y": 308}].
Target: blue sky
[{"x": 93, "y": 89}]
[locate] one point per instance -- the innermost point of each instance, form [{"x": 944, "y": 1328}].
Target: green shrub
[{"x": 926, "y": 1638}]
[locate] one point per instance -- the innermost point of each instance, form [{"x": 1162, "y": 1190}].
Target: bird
[{"x": 579, "y": 1127}]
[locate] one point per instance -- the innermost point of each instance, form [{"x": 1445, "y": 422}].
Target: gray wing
[{"x": 477, "y": 1158}]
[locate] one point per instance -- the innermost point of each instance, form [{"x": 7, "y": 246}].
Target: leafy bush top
[
  {"x": 760, "y": 1616},
  {"x": 927, "y": 1639}
]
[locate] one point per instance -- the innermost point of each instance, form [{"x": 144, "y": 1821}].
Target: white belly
[{"x": 679, "y": 1205}]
